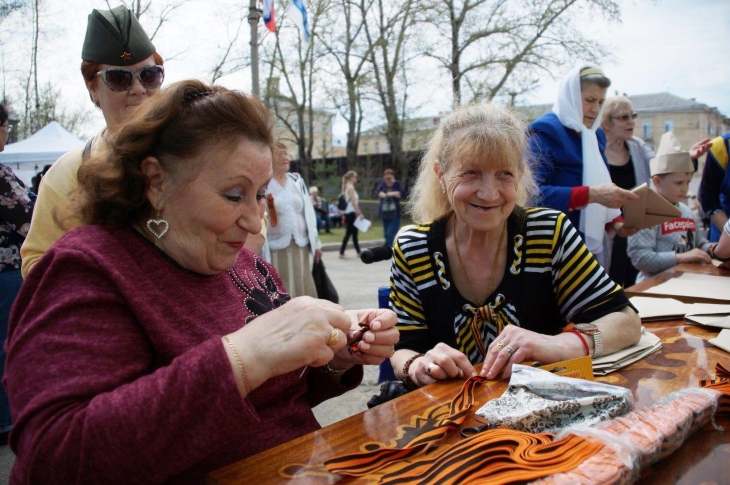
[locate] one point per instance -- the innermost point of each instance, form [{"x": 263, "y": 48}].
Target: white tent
[{"x": 43, "y": 147}]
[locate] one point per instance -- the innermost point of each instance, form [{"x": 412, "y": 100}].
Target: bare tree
[
  {"x": 140, "y": 8},
  {"x": 32, "y": 95},
  {"x": 8, "y": 7},
  {"x": 389, "y": 28},
  {"x": 294, "y": 64},
  {"x": 498, "y": 47},
  {"x": 350, "y": 52},
  {"x": 231, "y": 59}
]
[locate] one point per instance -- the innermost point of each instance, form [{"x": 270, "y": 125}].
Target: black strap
[{"x": 87, "y": 150}]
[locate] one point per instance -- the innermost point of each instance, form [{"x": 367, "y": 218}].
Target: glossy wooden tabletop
[
  {"x": 708, "y": 269},
  {"x": 685, "y": 358}
]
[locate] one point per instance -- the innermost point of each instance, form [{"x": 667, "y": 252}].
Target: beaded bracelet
[
  {"x": 240, "y": 364},
  {"x": 406, "y": 378}
]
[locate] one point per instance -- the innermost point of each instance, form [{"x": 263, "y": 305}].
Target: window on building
[
  {"x": 709, "y": 129},
  {"x": 365, "y": 147},
  {"x": 324, "y": 127},
  {"x": 668, "y": 126},
  {"x": 306, "y": 127},
  {"x": 377, "y": 147},
  {"x": 647, "y": 130}
]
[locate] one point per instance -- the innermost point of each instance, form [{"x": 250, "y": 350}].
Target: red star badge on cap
[{"x": 126, "y": 56}]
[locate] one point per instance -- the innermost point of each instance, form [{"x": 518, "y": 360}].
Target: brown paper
[{"x": 650, "y": 210}]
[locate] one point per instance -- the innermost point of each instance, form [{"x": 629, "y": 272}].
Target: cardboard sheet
[
  {"x": 722, "y": 340},
  {"x": 695, "y": 285},
  {"x": 650, "y": 210}
]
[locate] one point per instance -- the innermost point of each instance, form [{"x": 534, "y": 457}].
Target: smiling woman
[
  {"x": 164, "y": 325},
  {"x": 482, "y": 277}
]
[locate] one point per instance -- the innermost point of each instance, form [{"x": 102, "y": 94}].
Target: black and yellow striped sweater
[{"x": 551, "y": 279}]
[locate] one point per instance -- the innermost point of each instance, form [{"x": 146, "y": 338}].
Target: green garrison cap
[{"x": 115, "y": 37}]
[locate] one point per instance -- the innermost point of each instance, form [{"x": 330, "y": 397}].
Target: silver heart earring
[{"x": 160, "y": 226}]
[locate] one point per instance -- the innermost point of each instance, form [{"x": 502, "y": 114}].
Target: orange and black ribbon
[
  {"x": 272, "y": 209},
  {"x": 721, "y": 383},
  {"x": 361, "y": 464}
]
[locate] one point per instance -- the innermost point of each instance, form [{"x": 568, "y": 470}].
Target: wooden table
[
  {"x": 708, "y": 269},
  {"x": 684, "y": 359}
]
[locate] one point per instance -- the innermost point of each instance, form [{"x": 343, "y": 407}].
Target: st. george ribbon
[{"x": 373, "y": 255}]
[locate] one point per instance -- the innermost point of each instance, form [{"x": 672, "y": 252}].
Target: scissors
[{"x": 470, "y": 431}]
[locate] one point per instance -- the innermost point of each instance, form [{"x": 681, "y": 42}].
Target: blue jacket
[{"x": 558, "y": 156}]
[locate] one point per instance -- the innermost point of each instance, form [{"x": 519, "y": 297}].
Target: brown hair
[
  {"x": 176, "y": 126},
  {"x": 389, "y": 171},
  {"x": 480, "y": 133}
]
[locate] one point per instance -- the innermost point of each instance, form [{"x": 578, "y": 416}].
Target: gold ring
[
  {"x": 334, "y": 338},
  {"x": 510, "y": 351},
  {"x": 501, "y": 344},
  {"x": 392, "y": 354}
]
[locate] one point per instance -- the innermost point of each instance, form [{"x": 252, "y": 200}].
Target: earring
[
  {"x": 160, "y": 226},
  {"x": 443, "y": 189}
]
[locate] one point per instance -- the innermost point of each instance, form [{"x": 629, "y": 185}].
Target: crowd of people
[{"x": 161, "y": 284}]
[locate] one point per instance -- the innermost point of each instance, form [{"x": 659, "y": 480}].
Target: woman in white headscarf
[{"x": 571, "y": 168}]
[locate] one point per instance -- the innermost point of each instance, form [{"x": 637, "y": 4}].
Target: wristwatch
[{"x": 590, "y": 329}]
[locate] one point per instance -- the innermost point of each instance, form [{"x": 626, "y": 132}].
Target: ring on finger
[
  {"x": 428, "y": 368},
  {"x": 334, "y": 338},
  {"x": 510, "y": 351},
  {"x": 501, "y": 344}
]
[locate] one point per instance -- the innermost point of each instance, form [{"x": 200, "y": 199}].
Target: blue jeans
[
  {"x": 10, "y": 282},
  {"x": 390, "y": 229}
]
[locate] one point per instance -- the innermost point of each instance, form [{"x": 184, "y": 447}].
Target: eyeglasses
[
  {"x": 625, "y": 117},
  {"x": 8, "y": 127},
  {"x": 118, "y": 79}
]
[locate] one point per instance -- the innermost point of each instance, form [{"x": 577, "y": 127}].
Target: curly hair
[
  {"x": 480, "y": 132},
  {"x": 182, "y": 122}
]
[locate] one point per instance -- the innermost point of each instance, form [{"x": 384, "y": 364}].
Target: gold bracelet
[{"x": 240, "y": 364}]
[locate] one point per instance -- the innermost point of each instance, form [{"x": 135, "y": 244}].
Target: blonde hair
[
  {"x": 345, "y": 178},
  {"x": 484, "y": 133},
  {"x": 613, "y": 104}
]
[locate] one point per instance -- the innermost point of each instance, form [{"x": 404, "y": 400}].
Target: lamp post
[{"x": 254, "y": 15}]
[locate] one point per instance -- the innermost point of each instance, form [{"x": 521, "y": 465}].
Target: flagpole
[{"x": 254, "y": 15}]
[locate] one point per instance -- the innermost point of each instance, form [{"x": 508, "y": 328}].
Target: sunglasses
[
  {"x": 7, "y": 126},
  {"x": 626, "y": 117},
  {"x": 118, "y": 79}
]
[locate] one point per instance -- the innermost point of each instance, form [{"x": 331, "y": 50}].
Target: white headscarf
[{"x": 569, "y": 110}]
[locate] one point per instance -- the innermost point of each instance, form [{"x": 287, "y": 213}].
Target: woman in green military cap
[{"x": 121, "y": 69}]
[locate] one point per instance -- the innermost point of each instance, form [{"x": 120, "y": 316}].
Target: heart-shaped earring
[{"x": 160, "y": 226}]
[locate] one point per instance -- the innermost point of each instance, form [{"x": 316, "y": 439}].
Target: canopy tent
[{"x": 41, "y": 148}]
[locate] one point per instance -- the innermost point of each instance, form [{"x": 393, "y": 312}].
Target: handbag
[
  {"x": 388, "y": 210},
  {"x": 325, "y": 289}
]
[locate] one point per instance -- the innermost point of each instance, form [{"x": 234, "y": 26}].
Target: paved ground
[{"x": 357, "y": 285}]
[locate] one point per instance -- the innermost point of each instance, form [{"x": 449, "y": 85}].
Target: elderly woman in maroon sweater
[{"x": 148, "y": 346}]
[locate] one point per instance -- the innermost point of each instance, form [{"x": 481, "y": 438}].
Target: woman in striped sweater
[{"x": 481, "y": 278}]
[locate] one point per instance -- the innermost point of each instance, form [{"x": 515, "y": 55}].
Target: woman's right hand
[
  {"x": 290, "y": 337},
  {"x": 439, "y": 363},
  {"x": 610, "y": 195}
]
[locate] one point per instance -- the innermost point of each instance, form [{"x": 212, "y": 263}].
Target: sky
[{"x": 679, "y": 46}]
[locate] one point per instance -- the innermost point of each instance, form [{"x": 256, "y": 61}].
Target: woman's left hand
[
  {"x": 317, "y": 254},
  {"x": 377, "y": 343},
  {"x": 516, "y": 345}
]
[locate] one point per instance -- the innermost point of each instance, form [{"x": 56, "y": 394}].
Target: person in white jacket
[{"x": 292, "y": 235}]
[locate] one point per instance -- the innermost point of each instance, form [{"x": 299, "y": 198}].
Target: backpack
[{"x": 342, "y": 202}]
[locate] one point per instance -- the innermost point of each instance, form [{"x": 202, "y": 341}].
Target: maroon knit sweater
[{"x": 116, "y": 372}]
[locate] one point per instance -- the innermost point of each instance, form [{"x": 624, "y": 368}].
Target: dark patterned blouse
[{"x": 16, "y": 208}]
